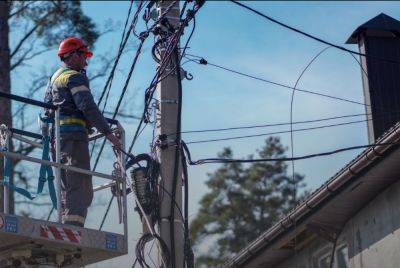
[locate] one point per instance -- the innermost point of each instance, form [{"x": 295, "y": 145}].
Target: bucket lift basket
[{"x": 27, "y": 241}]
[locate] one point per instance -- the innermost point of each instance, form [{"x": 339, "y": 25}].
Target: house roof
[
  {"x": 331, "y": 205},
  {"x": 381, "y": 22}
]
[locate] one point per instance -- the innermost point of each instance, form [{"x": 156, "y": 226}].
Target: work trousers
[{"x": 76, "y": 188}]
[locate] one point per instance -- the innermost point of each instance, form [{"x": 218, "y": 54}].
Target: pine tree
[{"x": 243, "y": 202}]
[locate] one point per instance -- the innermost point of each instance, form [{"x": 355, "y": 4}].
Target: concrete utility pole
[{"x": 167, "y": 122}]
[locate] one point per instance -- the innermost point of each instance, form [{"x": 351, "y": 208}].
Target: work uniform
[{"x": 78, "y": 113}]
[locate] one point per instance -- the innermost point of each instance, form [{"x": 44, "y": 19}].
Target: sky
[{"x": 230, "y": 36}]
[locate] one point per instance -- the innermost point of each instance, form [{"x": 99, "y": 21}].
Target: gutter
[{"x": 343, "y": 176}]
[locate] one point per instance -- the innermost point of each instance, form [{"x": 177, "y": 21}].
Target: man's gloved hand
[{"x": 115, "y": 141}]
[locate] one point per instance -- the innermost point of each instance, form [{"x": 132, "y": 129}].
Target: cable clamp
[{"x": 203, "y": 61}]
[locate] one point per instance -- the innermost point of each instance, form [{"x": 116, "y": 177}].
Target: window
[
  {"x": 324, "y": 261},
  {"x": 342, "y": 257},
  {"x": 341, "y": 260}
]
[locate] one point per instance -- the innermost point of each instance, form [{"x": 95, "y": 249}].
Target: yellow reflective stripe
[
  {"x": 77, "y": 89},
  {"x": 62, "y": 79},
  {"x": 75, "y": 218},
  {"x": 57, "y": 74},
  {"x": 69, "y": 121}
]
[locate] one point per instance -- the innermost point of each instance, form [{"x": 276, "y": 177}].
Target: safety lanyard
[
  {"x": 46, "y": 172},
  {"x": 6, "y": 179}
]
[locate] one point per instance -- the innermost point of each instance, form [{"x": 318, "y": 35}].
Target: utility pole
[{"x": 168, "y": 96}]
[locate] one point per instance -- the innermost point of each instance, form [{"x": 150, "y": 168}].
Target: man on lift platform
[{"x": 69, "y": 88}]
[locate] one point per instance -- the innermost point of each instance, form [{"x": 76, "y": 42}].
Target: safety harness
[{"x": 45, "y": 174}]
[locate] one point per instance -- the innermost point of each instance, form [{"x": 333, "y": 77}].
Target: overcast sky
[{"x": 233, "y": 37}]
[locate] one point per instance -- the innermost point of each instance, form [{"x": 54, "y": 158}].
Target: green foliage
[
  {"x": 52, "y": 21},
  {"x": 243, "y": 202}
]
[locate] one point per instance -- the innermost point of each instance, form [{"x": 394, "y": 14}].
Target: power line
[
  {"x": 124, "y": 40},
  {"x": 277, "y": 132},
  {"x": 309, "y": 35},
  {"x": 271, "y": 125},
  {"x": 202, "y": 61},
  {"x": 156, "y": 79},
  {"x": 225, "y": 160},
  {"x": 133, "y": 65}
]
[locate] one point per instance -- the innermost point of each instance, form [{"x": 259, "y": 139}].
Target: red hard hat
[{"x": 72, "y": 44}]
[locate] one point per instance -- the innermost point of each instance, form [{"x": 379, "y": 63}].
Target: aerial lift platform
[{"x": 28, "y": 242}]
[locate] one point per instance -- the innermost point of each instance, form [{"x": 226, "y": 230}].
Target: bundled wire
[
  {"x": 189, "y": 256},
  {"x": 140, "y": 248},
  {"x": 171, "y": 46}
]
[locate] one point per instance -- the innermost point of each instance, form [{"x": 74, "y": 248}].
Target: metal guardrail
[{"x": 19, "y": 134}]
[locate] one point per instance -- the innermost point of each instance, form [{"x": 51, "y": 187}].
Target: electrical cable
[
  {"x": 294, "y": 197},
  {"x": 149, "y": 92},
  {"x": 309, "y": 35},
  {"x": 189, "y": 256},
  {"x": 277, "y": 132},
  {"x": 124, "y": 40},
  {"x": 106, "y": 213},
  {"x": 275, "y": 124},
  {"x": 297, "y": 158},
  {"x": 202, "y": 61},
  {"x": 138, "y": 51},
  {"x": 189, "y": 39}
]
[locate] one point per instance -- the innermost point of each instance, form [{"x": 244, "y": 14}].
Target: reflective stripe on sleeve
[{"x": 77, "y": 89}]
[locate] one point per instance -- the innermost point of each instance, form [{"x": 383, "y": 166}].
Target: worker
[{"x": 69, "y": 88}]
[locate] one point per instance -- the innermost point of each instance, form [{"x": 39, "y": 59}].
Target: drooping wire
[
  {"x": 294, "y": 197},
  {"x": 309, "y": 35},
  {"x": 202, "y": 61},
  {"x": 189, "y": 256},
  {"x": 296, "y": 158}
]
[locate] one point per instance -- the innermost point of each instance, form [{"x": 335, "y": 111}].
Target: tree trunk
[{"x": 5, "y": 86}]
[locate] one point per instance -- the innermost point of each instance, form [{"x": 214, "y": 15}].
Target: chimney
[{"x": 379, "y": 38}]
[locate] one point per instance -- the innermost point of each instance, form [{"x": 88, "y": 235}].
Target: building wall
[{"x": 372, "y": 238}]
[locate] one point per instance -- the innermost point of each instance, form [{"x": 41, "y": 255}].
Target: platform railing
[{"x": 22, "y": 136}]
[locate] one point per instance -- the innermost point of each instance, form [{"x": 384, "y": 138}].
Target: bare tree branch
[
  {"x": 25, "y": 57},
  {"x": 36, "y": 85},
  {"x": 21, "y": 42},
  {"x": 25, "y": 150},
  {"x": 21, "y": 9}
]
